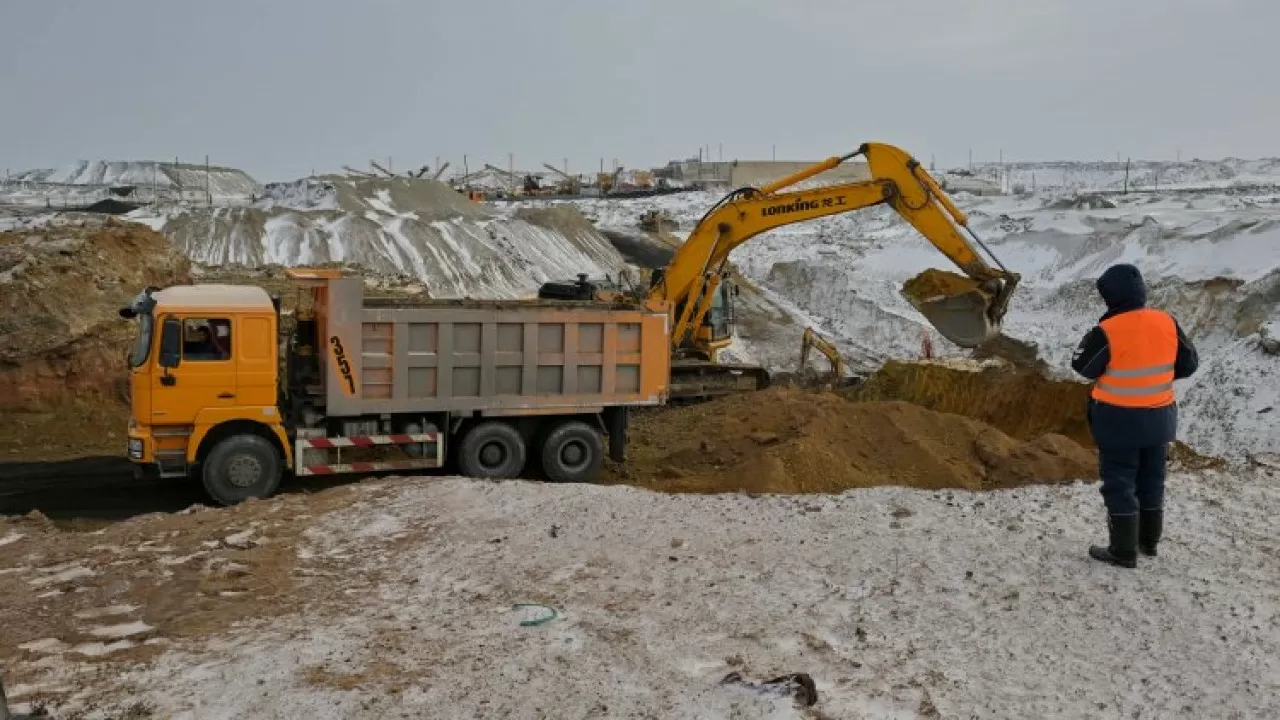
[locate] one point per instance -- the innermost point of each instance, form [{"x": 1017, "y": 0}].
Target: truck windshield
[{"x": 142, "y": 346}]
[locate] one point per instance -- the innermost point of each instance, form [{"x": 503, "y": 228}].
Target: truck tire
[
  {"x": 241, "y": 467},
  {"x": 490, "y": 451},
  {"x": 572, "y": 452}
]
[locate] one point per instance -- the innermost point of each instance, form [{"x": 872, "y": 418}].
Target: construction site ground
[{"x": 913, "y": 544}]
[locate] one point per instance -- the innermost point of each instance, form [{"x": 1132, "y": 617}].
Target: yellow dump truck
[{"x": 222, "y": 391}]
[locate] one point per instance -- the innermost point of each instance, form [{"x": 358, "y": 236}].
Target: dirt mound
[
  {"x": 784, "y": 440},
  {"x": 933, "y": 282},
  {"x": 61, "y": 287}
]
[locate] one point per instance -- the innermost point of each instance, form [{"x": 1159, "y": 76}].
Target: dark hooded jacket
[{"x": 1114, "y": 427}]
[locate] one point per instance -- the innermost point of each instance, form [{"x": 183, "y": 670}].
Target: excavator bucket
[{"x": 959, "y": 307}]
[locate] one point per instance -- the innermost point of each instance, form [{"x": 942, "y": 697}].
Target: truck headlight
[{"x": 135, "y": 448}]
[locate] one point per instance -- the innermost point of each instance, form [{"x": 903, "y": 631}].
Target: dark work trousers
[{"x": 1132, "y": 479}]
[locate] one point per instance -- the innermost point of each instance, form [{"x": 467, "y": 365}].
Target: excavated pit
[
  {"x": 1014, "y": 398},
  {"x": 1020, "y": 403}
]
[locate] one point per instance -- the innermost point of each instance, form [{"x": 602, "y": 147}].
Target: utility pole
[
  {"x": 4, "y": 703},
  {"x": 970, "y": 159},
  {"x": 775, "y": 152},
  {"x": 1126, "y": 176},
  {"x": 208, "y": 193}
]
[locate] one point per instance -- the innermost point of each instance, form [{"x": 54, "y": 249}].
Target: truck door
[{"x": 198, "y": 368}]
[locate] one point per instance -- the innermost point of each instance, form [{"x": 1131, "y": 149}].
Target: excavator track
[{"x": 699, "y": 380}]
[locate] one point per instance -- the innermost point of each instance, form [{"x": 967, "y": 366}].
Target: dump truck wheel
[
  {"x": 572, "y": 452},
  {"x": 491, "y": 450},
  {"x": 241, "y": 467}
]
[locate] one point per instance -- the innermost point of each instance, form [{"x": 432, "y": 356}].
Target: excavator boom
[
  {"x": 811, "y": 339},
  {"x": 968, "y": 315}
]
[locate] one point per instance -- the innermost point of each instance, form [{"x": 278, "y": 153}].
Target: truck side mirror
[{"x": 171, "y": 344}]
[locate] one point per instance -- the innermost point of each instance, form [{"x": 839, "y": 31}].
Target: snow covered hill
[
  {"x": 166, "y": 178},
  {"x": 407, "y": 226}
]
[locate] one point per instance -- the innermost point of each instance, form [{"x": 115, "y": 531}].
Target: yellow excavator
[
  {"x": 692, "y": 289},
  {"x": 811, "y": 340}
]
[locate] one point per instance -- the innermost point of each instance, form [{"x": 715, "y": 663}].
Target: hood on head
[{"x": 1122, "y": 288}]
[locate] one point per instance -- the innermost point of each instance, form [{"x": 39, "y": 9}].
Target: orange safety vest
[{"x": 1144, "y": 348}]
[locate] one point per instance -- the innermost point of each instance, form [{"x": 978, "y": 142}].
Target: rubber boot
[
  {"x": 1124, "y": 539},
  {"x": 1150, "y": 523}
]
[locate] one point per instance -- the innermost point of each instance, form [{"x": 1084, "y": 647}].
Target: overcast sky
[{"x": 279, "y": 88}]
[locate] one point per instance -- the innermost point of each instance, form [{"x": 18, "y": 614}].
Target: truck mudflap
[
  {"x": 693, "y": 380},
  {"x": 431, "y": 447}
]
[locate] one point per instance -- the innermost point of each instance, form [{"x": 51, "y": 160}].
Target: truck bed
[{"x": 488, "y": 357}]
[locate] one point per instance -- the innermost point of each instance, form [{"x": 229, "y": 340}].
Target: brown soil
[
  {"x": 784, "y": 440},
  {"x": 61, "y": 287},
  {"x": 1021, "y": 353},
  {"x": 185, "y": 575},
  {"x": 933, "y": 282}
]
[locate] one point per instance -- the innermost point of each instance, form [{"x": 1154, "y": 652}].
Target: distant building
[
  {"x": 740, "y": 173},
  {"x": 954, "y": 182}
]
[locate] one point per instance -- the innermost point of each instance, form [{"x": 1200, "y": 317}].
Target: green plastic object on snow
[{"x": 550, "y": 615}]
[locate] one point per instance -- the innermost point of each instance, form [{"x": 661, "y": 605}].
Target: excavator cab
[{"x": 719, "y": 319}]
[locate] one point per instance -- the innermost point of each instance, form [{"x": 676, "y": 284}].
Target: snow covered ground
[
  {"x": 898, "y": 603},
  {"x": 1210, "y": 256},
  {"x": 86, "y": 181}
]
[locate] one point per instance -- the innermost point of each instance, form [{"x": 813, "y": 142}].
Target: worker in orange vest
[{"x": 1133, "y": 355}]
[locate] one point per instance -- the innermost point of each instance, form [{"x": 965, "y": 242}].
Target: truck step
[{"x": 308, "y": 448}]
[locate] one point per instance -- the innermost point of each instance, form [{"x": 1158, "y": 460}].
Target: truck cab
[{"x": 205, "y": 366}]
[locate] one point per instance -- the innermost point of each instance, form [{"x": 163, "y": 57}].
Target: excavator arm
[
  {"x": 811, "y": 339},
  {"x": 967, "y": 316}
]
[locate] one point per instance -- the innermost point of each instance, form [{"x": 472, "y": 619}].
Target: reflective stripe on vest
[{"x": 1143, "y": 346}]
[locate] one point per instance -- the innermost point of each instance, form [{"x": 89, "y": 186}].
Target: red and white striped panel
[
  {"x": 367, "y": 440},
  {"x": 367, "y": 467}
]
